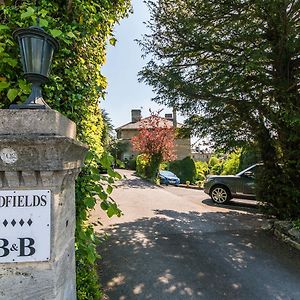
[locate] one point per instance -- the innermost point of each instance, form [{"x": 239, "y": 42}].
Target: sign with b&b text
[{"x": 25, "y": 217}]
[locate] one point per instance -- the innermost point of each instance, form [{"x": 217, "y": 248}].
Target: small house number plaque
[{"x": 25, "y": 225}]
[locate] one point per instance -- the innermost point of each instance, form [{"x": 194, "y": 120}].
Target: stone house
[
  {"x": 131, "y": 129},
  {"x": 201, "y": 156}
]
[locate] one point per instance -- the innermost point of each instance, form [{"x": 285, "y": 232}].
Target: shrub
[
  {"x": 213, "y": 161},
  {"x": 175, "y": 167},
  {"x": 141, "y": 165},
  {"x": 152, "y": 168},
  {"x": 201, "y": 170},
  {"x": 185, "y": 169},
  {"x": 232, "y": 163},
  {"x": 132, "y": 164},
  {"x": 217, "y": 168},
  {"x": 163, "y": 166}
]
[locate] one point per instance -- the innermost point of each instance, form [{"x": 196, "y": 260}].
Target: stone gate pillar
[{"x": 39, "y": 162}]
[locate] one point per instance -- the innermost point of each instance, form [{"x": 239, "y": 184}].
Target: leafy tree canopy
[
  {"x": 233, "y": 67},
  {"x": 156, "y": 141},
  {"x": 155, "y": 137}
]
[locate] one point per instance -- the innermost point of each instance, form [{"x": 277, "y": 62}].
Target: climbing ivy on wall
[{"x": 83, "y": 28}]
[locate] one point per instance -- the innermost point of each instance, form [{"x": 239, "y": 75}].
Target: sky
[{"x": 123, "y": 63}]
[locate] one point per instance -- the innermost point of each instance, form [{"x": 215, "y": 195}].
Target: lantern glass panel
[{"x": 37, "y": 55}]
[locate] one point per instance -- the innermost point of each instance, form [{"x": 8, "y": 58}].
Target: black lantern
[{"x": 37, "y": 49}]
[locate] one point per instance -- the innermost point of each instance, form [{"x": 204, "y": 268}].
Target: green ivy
[{"x": 75, "y": 86}]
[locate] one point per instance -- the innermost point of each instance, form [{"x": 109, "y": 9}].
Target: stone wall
[{"x": 182, "y": 148}]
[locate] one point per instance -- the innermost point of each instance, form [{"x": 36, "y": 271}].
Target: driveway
[{"x": 174, "y": 243}]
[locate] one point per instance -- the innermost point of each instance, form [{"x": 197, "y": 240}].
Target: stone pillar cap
[
  {"x": 36, "y": 122},
  {"x": 38, "y": 139}
]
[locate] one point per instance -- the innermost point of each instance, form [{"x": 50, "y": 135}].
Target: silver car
[{"x": 222, "y": 188}]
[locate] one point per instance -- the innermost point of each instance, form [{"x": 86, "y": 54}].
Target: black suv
[{"x": 222, "y": 188}]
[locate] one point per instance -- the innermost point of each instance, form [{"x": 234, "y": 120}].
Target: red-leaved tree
[{"x": 156, "y": 141}]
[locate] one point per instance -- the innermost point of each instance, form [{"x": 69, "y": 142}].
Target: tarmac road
[{"x": 174, "y": 243}]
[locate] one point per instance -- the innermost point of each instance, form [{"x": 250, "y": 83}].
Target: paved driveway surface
[{"x": 174, "y": 243}]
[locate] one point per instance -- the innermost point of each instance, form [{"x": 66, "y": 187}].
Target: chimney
[
  {"x": 174, "y": 118},
  {"x": 136, "y": 115},
  {"x": 169, "y": 117}
]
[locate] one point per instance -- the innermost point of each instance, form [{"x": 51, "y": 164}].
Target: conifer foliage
[{"x": 233, "y": 67}]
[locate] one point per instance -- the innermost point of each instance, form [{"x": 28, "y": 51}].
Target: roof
[{"x": 137, "y": 125}]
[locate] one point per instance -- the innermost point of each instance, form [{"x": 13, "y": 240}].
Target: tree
[
  {"x": 107, "y": 131},
  {"x": 156, "y": 141},
  {"x": 233, "y": 66}
]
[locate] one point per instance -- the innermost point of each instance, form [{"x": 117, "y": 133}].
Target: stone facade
[
  {"x": 201, "y": 156},
  {"x": 47, "y": 158},
  {"x": 182, "y": 148},
  {"x": 129, "y": 130}
]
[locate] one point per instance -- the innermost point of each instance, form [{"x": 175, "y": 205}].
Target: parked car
[
  {"x": 222, "y": 188},
  {"x": 167, "y": 177}
]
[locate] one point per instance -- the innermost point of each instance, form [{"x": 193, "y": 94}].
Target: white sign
[
  {"x": 25, "y": 225},
  {"x": 8, "y": 155}
]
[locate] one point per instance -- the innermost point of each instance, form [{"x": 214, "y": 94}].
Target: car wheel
[{"x": 220, "y": 194}]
